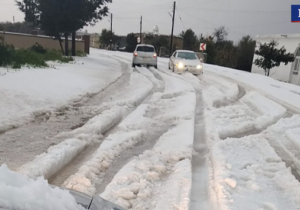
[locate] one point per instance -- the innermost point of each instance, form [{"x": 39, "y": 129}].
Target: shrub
[
  {"x": 38, "y": 49},
  {"x": 28, "y": 57},
  {"x": 6, "y": 53},
  {"x": 55, "y": 55},
  {"x": 35, "y": 56},
  {"x": 79, "y": 53}
]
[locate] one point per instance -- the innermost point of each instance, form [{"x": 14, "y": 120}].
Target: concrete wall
[
  {"x": 24, "y": 41},
  {"x": 291, "y": 44}
]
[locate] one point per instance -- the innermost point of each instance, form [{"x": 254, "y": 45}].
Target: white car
[
  {"x": 184, "y": 60},
  {"x": 144, "y": 55}
]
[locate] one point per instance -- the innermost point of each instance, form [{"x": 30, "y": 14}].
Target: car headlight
[
  {"x": 199, "y": 67},
  {"x": 180, "y": 65}
]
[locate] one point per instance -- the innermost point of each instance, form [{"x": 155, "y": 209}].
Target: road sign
[
  {"x": 139, "y": 40},
  {"x": 203, "y": 46}
]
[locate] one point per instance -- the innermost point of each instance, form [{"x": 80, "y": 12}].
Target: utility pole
[
  {"x": 141, "y": 25},
  {"x": 111, "y": 30},
  {"x": 26, "y": 9},
  {"x": 173, "y": 19}
]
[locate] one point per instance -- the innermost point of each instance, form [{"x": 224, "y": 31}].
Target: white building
[{"x": 287, "y": 73}]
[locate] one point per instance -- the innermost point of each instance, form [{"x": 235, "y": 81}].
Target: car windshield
[
  {"x": 187, "y": 55},
  {"x": 145, "y": 49}
]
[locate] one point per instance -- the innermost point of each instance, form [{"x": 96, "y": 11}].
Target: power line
[{"x": 180, "y": 19}]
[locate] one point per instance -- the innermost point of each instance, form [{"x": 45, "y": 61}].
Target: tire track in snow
[
  {"x": 113, "y": 165},
  {"x": 169, "y": 160},
  {"x": 273, "y": 124},
  {"x": 36, "y": 137},
  {"x": 199, "y": 198},
  {"x": 125, "y": 106}
]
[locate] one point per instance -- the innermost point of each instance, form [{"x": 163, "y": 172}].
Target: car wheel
[
  {"x": 155, "y": 66},
  {"x": 169, "y": 66},
  {"x": 133, "y": 65}
]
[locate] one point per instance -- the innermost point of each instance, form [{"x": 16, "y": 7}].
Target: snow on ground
[
  {"x": 19, "y": 192},
  {"x": 269, "y": 111},
  {"x": 284, "y": 137},
  {"x": 245, "y": 172},
  {"x": 284, "y": 93},
  {"x": 252, "y": 113},
  {"x": 248, "y": 174},
  {"x": 29, "y": 92},
  {"x": 89, "y": 175},
  {"x": 77, "y": 140},
  {"x": 148, "y": 180},
  {"x": 158, "y": 85},
  {"x": 230, "y": 121},
  {"x": 54, "y": 159},
  {"x": 218, "y": 90}
]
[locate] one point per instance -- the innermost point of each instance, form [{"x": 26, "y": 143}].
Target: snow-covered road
[{"x": 150, "y": 139}]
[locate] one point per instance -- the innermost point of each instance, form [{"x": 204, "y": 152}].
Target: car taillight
[
  {"x": 155, "y": 55},
  {"x": 135, "y": 54}
]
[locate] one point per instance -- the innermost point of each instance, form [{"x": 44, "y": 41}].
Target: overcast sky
[{"x": 240, "y": 17}]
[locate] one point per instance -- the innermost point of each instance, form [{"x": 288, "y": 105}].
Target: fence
[{"x": 24, "y": 41}]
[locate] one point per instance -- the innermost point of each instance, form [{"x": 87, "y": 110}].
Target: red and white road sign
[{"x": 203, "y": 46}]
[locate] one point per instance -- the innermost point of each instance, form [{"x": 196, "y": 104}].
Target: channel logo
[{"x": 295, "y": 13}]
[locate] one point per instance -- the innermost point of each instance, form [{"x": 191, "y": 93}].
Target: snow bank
[
  {"x": 137, "y": 90},
  {"x": 232, "y": 120},
  {"x": 98, "y": 124},
  {"x": 254, "y": 112},
  {"x": 247, "y": 170},
  {"x": 19, "y": 192},
  {"x": 136, "y": 184},
  {"x": 134, "y": 118},
  {"x": 141, "y": 183},
  {"x": 284, "y": 137},
  {"x": 29, "y": 92},
  {"x": 229, "y": 89},
  {"x": 269, "y": 111},
  {"x": 177, "y": 188},
  {"x": 59, "y": 155},
  {"x": 89, "y": 175},
  {"x": 54, "y": 159},
  {"x": 218, "y": 90},
  {"x": 148, "y": 180},
  {"x": 282, "y": 92},
  {"x": 178, "y": 141},
  {"x": 174, "y": 86}
]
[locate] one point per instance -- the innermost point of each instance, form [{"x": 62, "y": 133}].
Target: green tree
[
  {"x": 18, "y": 27},
  {"x": 161, "y": 41},
  {"x": 245, "y": 53},
  {"x": 30, "y": 9},
  {"x": 65, "y": 17},
  {"x": 131, "y": 41},
  {"x": 270, "y": 56},
  {"x": 106, "y": 36},
  {"x": 189, "y": 40},
  {"x": 210, "y": 49},
  {"x": 226, "y": 54}
]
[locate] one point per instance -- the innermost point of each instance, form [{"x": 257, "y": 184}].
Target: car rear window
[{"x": 145, "y": 49}]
